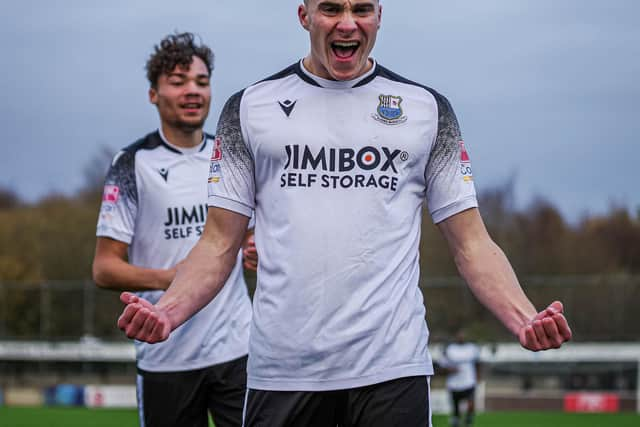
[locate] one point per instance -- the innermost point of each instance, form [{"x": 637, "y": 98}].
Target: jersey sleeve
[
  {"x": 119, "y": 200},
  {"x": 231, "y": 182},
  {"x": 450, "y": 187}
]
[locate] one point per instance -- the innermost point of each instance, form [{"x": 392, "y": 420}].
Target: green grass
[
  {"x": 67, "y": 417},
  {"x": 81, "y": 417},
  {"x": 547, "y": 419}
]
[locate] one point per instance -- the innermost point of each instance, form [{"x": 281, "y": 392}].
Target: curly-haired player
[{"x": 153, "y": 211}]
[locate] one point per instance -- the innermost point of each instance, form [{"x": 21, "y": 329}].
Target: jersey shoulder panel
[
  {"x": 232, "y": 158},
  {"x": 151, "y": 141},
  {"x": 442, "y": 102},
  {"x": 148, "y": 142},
  {"x": 122, "y": 171},
  {"x": 446, "y": 148},
  {"x": 386, "y": 73},
  {"x": 290, "y": 70},
  {"x": 229, "y": 129}
]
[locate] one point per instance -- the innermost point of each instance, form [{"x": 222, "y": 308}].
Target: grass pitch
[
  {"x": 82, "y": 417},
  {"x": 547, "y": 419}
]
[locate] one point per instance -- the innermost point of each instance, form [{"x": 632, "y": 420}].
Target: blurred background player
[
  {"x": 153, "y": 212},
  {"x": 461, "y": 364}
]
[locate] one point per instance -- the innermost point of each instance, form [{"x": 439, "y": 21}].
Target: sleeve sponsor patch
[
  {"x": 217, "y": 150},
  {"x": 465, "y": 163},
  {"x": 215, "y": 172},
  {"x": 111, "y": 193}
]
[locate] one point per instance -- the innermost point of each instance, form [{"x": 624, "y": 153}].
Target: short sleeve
[
  {"x": 448, "y": 175},
  {"x": 231, "y": 183},
  {"x": 119, "y": 199}
]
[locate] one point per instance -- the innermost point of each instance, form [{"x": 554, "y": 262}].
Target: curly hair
[{"x": 176, "y": 50}]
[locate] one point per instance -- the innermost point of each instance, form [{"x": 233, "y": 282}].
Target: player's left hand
[{"x": 548, "y": 329}]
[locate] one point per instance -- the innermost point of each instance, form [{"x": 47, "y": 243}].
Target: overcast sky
[{"x": 545, "y": 90}]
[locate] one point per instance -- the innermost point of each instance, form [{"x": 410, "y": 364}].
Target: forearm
[
  {"x": 112, "y": 271},
  {"x": 490, "y": 277},
  {"x": 204, "y": 272},
  {"x": 198, "y": 280}
]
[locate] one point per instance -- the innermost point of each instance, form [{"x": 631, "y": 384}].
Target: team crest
[{"x": 389, "y": 110}]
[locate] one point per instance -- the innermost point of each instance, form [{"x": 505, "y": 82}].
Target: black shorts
[
  {"x": 466, "y": 394},
  {"x": 403, "y": 402},
  {"x": 183, "y": 398},
  {"x": 458, "y": 396}
]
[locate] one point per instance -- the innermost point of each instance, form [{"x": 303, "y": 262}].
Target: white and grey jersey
[
  {"x": 337, "y": 173},
  {"x": 155, "y": 200},
  {"x": 462, "y": 357}
]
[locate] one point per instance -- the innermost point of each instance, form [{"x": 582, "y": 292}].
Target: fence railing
[{"x": 599, "y": 308}]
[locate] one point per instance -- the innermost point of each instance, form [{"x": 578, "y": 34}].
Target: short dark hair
[{"x": 173, "y": 50}]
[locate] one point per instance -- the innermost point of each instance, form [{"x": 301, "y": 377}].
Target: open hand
[{"x": 142, "y": 320}]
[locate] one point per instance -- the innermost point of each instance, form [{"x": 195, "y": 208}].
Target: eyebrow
[
  {"x": 184, "y": 75},
  {"x": 330, "y": 3},
  {"x": 354, "y": 4}
]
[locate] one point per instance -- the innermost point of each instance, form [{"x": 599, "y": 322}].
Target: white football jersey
[
  {"x": 337, "y": 173},
  {"x": 463, "y": 357},
  {"x": 155, "y": 200}
]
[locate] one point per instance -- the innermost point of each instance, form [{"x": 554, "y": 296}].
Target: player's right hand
[{"x": 141, "y": 320}]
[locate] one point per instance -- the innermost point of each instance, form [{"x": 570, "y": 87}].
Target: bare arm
[
  {"x": 112, "y": 271},
  {"x": 199, "y": 279},
  {"x": 491, "y": 278}
]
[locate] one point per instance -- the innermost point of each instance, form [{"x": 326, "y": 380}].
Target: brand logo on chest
[
  {"x": 287, "y": 106},
  {"x": 164, "y": 173}
]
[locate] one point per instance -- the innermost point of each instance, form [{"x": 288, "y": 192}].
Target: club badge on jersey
[{"x": 389, "y": 110}]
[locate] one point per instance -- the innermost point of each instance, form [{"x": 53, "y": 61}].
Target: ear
[
  {"x": 153, "y": 96},
  {"x": 303, "y": 16},
  {"x": 379, "y": 15}
]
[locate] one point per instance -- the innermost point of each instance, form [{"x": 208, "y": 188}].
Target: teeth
[{"x": 346, "y": 45}]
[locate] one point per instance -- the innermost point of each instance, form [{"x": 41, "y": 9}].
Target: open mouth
[
  {"x": 191, "y": 106},
  {"x": 344, "y": 50}
]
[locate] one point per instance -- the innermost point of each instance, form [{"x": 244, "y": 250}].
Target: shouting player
[{"x": 337, "y": 155}]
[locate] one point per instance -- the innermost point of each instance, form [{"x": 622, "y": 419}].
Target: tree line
[{"x": 53, "y": 240}]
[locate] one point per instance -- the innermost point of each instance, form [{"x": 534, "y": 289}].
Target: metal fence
[{"x": 599, "y": 308}]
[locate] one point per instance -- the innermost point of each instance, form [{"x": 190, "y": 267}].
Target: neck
[{"x": 182, "y": 138}]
